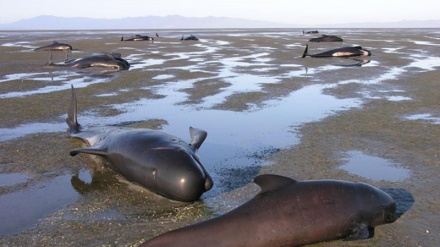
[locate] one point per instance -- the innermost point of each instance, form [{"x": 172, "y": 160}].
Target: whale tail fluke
[
  {"x": 305, "y": 52},
  {"x": 71, "y": 120}
]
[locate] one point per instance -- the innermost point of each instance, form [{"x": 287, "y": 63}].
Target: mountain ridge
[{"x": 48, "y": 22}]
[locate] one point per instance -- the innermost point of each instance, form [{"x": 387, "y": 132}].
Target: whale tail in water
[
  {"x": 305, "y": 52},
  {"x": 71, "y": 120}
]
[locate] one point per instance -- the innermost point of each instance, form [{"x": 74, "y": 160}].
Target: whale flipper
[{"x": 90, "y": 150}]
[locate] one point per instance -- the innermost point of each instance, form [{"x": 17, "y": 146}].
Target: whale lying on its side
[
  {"x": 158, "y": 161},
  {"x": 138, "y": 37},
  {"x": 351, "y": 51},
  {"x": 291, "y": 213},
  {"x": 111, "y": 61},
  {"x": 55, "y": 46}
]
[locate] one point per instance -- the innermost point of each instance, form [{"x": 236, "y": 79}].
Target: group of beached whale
[
  {"x": 111, "y": 61},
  {"x": 114, "y": 61},
  {"x": 285, "y": 212},
  {"x": 348, "y": 51}
]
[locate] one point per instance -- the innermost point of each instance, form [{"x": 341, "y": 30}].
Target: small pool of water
[
  {"x": 22, "y": 209},
  {"x": 424, "y": 117},
  {"x": 10, "y": 179},
  {"x": 61, "y": 80},
  {"x": 374, "y": 168}
]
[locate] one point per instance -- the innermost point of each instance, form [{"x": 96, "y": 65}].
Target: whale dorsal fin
[
  {"x": 269, "y": 182},
  {"x": 116, "y": 54},
  {"x": 197, "y": 137},
  {"x": 71, "y": 120},
  {"x": 90, "y": 150}
]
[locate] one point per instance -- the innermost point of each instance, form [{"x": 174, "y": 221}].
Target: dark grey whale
[
  {"x": 190, "y": 37},
  {"x": 310, "y": 32},
  {"x": 326, "y": 38},
  {"x": 291, "y": 213},
  {"x": 112, "y": 61},
  {"x": 55, "y": 46},
  {"x": 158, "y": 161},
  {"x": 351, "y": 51},
  {"x": 138, "y": 37}
]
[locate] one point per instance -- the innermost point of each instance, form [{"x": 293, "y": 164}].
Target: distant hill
[
  {"x": 46, "y": 22},
  {"x": 152, "y": 22}
]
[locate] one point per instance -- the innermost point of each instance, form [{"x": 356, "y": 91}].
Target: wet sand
[{"x": 265, "y": 110}]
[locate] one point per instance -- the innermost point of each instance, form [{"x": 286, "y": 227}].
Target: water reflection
[
  {"x": 62, "y": 80},
  {"x": 10, "y": 179},
  {"x": 22, "y": 209},
  {"x": 424, "y": 117},
  {"x": 374, "y": 168}
]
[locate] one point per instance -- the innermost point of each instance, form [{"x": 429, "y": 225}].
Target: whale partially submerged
[
  {"x": 155, "y": 160},
  {"x": 111, "y": 61},
  {"x": 287, "y": 212},
  {"x": 351, "y": 51}
]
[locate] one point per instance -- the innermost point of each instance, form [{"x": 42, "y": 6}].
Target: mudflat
[{"x": 370, "y": 119}]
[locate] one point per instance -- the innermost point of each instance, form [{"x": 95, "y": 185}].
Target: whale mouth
[
  {"x": 391, "y": 219},
  {"x": 208, "y": 183}
]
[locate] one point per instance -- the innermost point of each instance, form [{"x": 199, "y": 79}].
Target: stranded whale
[
  {"x": 111, "y": 61},
  {"x": 291, "y": 213},
  {"x": 55, "y": 46},
  {"x": 326, "y": 38},
  {"x": 138, "y": 37},
  {"x": 191, "y": 37},
  {"x": 153, "y": 159},
  {"x": 351, "y": 51}
]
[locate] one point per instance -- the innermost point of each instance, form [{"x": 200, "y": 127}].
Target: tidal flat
[{"x": 266, "y": 110}]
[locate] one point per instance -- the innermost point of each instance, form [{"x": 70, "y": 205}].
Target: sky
[{"x": 279, "y": 11}]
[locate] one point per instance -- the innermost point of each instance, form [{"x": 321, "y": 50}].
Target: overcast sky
[{"x": 281, "y": 11}]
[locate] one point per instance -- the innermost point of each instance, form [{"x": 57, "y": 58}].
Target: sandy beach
[{"x": 266, "y": 110}]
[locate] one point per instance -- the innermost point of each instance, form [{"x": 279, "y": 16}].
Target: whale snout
[
  {"x": 390, "y": 212},
  {"x": 180, "y": 175},
  {"x": 193, "y": 186}
]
